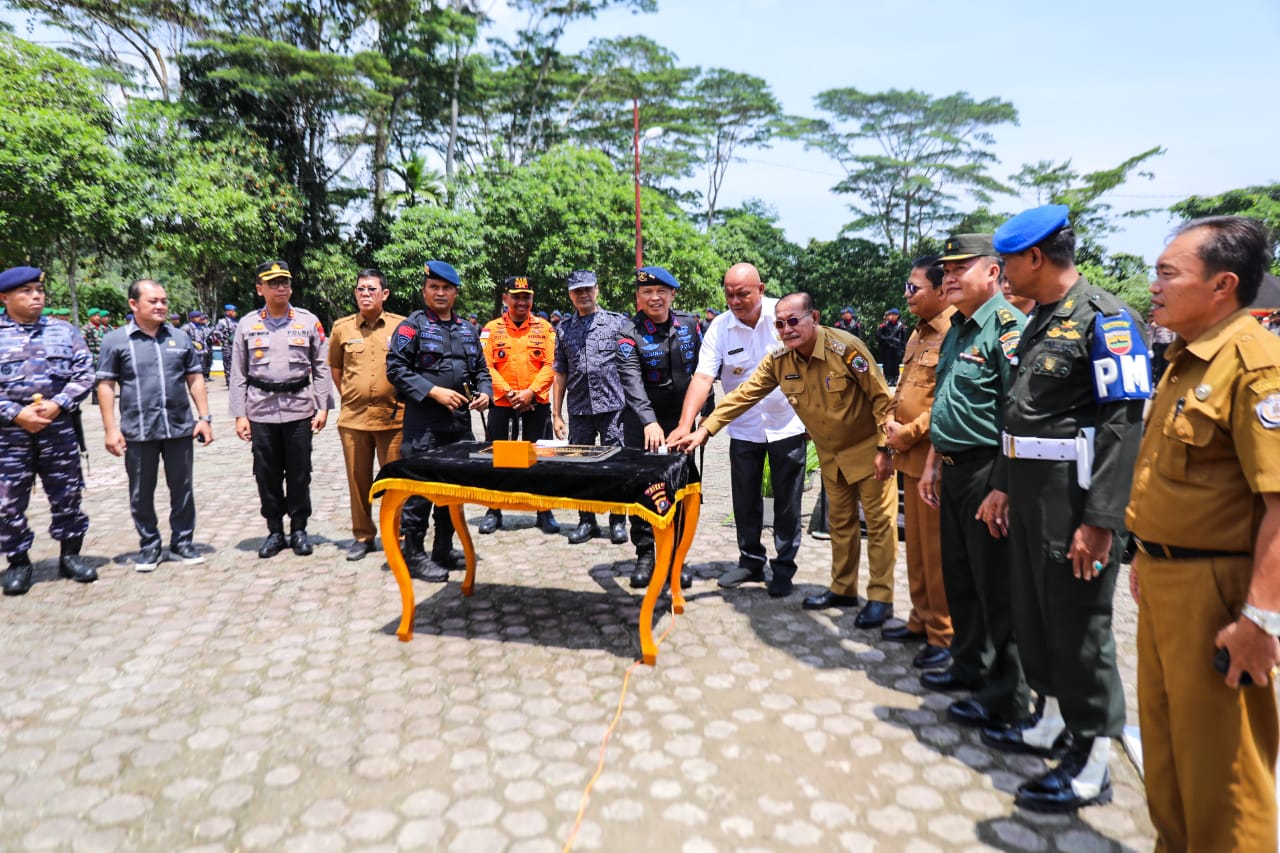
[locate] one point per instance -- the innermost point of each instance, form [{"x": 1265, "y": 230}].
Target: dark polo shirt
[{"x": 152, "y": 374}]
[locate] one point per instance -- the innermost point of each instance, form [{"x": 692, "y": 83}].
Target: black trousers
[
  {"x": 586, "y": 429},
  {"x": 282, "y": 467},
  {"x": 633, "y": 436},
  {"x": 746, "y": 470},
  {"x": 506, "y": 424},
  {"x": 975, "y": 573},
  {"x": 417, "y": 511},
  {"x": 142, "y": 463}
]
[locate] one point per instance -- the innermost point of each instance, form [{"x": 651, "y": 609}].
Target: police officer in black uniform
[
  {"x": 657, "y": 354},
  {"x": 437, "y": 367}
]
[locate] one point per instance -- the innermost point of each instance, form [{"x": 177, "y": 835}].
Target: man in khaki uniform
[
  {"x": 830, "y": 379},
  {"x": 1205, "y": 509},
  {"x": 371, "y": 418},
  {"x": 907, "y": 434}
]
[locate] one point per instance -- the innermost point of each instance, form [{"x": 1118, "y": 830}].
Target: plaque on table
[{"x": 557, "y": 452}]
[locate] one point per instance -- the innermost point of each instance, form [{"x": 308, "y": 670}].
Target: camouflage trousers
[{"x": 55, "y": 456}]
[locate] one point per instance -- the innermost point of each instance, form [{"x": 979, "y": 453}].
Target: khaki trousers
[
  {"x": 358, "y": 449},
  {"x": 880, "y": 506},
  {"x": 1209, "y": 752},
  {"x": 929, "y": 611}
]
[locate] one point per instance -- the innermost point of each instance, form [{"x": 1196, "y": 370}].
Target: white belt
[{"x": 1023, "y": 447}]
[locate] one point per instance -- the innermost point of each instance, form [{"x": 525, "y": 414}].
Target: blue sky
[{"x": 1094, "y": 82}]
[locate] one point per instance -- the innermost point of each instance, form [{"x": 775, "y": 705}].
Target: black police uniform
[
  {"x": 656, "y": 362},
  {"x": 427, "y": 351}
]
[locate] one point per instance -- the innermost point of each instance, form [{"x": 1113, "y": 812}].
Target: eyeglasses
[
  {"x": 278, "y": 285},
  {"x": 790, "y": 321},
  {"x": 368, "y": 290}
]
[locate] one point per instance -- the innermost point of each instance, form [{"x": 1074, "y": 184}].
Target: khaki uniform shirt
[
  {"x": 838, "y": 392},
  {"x": 284, "y": 350},
  {"x": 358, "y": 357},
  {"x": 914, "y": 398},
  {"x": 1212, "y": 442}
]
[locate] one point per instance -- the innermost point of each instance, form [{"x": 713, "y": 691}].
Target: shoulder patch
[
  {"x": 859, "y": 364},
  {"x": 1006, "y": 317},
  {"x": 406, "y": 331},
  {"x": 1269, "y": 412},
  {"x": 1120, "y": 360},
  {"x": 1009, "y": 342}
]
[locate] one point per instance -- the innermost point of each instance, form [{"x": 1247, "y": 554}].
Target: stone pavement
[{"x": 250, "y": 704}]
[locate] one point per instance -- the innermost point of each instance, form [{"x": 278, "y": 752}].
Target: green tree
[
  {"x": 1261, "y": 202},
  {"x": 64, "y": 190},
  {"x": 852, "y": 271},
  {"x": 907, "y": 154},
  {"x": 751, "y": 234},
  {"x": 737, "y": 111}
]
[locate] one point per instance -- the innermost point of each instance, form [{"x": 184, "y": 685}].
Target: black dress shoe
[
  {"x": 827, "y": 598},
  {"x": 17, "y": 578},
  {"x": 901, "y": 633},
  {"x": 947, "y": 680},
  {"x": 421, "y": 567},
  {"x": 451, "y": 559},
  {"x": 1010, "y": 739},
  {"x": 971, "y": 712},
  {"x": 300, "y": 544},
  {"x": 686, "y": 579},
  {"x": 74, "y": 567},
  {"x": 643, "y": 572},
  {"x": 618, "y": 532},
  {"x": 1053, "y": 792},
  {"x": 931, "y": 657},
  {"x": 584, "y": 531},
  {"x": 492, "y": 521},
  {"x": 359, "y": 550},
  {"x": 874, "y": 614},
  {"x": 272, "y": 545},
  {"x": 547, "y": 522}
]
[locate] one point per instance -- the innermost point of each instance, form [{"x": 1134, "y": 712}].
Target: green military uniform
[
  {"x": 1063, "y": 624},
  {"x": 842, "y": 400},
  {"x": 974, "y": 375}
]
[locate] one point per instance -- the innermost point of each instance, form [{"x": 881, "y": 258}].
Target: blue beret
[
  {"x": 1030, "y": 227},
  {"x": 195, "y": 315},
  {"x": 892, "y": 310},
  {"x": 848, "y": 309},
  {"x": 18, "y": 276},
  {"x": 656, "y": 275},
  {"x": 229, "y": 307},
  {"x": 581, "y": 278},
  {"x": 442, "y": 271}
]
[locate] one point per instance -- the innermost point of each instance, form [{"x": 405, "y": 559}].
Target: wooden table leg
[
  {"x": 663, "y": 540},
  {"x": 690, "y": 509},
  {"x": 457, "y": 514},
  {"x": 389, "y": 520}
]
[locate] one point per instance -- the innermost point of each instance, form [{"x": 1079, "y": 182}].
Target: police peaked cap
[
  {"x": 1030, "y": 227},
  {"x": 441, "y": 271},
  {"x": 18, "y": 276},
  {"x": 274, "y": 269},
  {"x": 656, "y": 275}
]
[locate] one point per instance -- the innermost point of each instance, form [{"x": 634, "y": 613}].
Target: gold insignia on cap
[
  {"x": 275, "y": 268},
  {"x": 643, "y": 276},
  {"x": 41, "y": 277},
  {"x": 521, "y": 281},
  {"x": 950, "y": 245},
  {"x": 1202, "y": 392}
]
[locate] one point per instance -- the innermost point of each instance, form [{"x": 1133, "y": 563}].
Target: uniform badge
[
  {"x": 1269, "y": 412},
  {"x": 1117, "y": 336},
  {"x": 859, "y": 364},
  {"x": 297, "y": 325},
  {"x": 737, "y": 371},
  {"x": 257, "y": 327},
  {"x": 1009, "y": 342},
  {"x": 298, "y": 342},
  {"x": 174, "y": 344},
  {"x": 257, "y": 353},
  {"x": 1202, "y": 392}
]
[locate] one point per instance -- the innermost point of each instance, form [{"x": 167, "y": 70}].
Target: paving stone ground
[{"x": 250, "y": 704}]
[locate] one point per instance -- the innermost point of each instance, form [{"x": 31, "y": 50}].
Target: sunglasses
[{"x": 790, "y": 321}]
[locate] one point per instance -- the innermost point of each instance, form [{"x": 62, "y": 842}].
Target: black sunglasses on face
[{"x": 790, "y": 321}]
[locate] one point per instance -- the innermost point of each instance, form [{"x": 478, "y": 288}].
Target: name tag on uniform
[
  {"x": 972, "y": 357},
  {"x": 354, "y": 341},
  {"x": 736, "y": 351},
  {"x": 792, "y": 376}
]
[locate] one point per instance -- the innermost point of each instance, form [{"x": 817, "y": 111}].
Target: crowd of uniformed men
[{"x": 1019, "y": 439}]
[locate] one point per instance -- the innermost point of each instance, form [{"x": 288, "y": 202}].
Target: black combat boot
[
  {"x": 419, "y": 565},
  {"x": 17, "y": 578},
  {"x": 72, "y": 565}
]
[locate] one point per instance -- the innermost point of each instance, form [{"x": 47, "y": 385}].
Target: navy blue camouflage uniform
[
  {"x": 200, "y": 335},
  {"x": 49, "y": 358},
  {"x": 425, "y": 352},
  {"x": 656, "y": 362},
  {"x": 587, "y": 358}
]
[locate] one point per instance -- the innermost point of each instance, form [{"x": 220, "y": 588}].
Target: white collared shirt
[{"x": 731, "y": 350}]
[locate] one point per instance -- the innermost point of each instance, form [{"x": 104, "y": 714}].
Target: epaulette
[
  {"x": 837, "y": 347},
  {"x": 1258, "y": 349},
  {"x": 350, "y": 318},
  {"x": 1006, "y": 317}
]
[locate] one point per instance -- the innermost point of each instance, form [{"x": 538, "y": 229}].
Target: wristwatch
[
  {"x": 1267, "y": 620},
  {"x": 885, "y": 450},
  {"x": 206, "y": 418}
]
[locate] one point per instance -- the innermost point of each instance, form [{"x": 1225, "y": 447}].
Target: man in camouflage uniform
[
  {"x": 46, "y": 369},
  {"x": 197, "y": 328},
  {"x": 224, "y": 333},
  {"x": 587, "y": 373}
]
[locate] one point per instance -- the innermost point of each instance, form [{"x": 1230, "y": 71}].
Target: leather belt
[
  {"x": 287, "y": 387},
  {"x": 964, "y": 457},
  {"x": 1053, "y": 449},
  {"x": 1173, "y": 552}
]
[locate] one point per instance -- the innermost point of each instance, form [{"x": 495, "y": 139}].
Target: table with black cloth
[{"x": 665, "y": 490}]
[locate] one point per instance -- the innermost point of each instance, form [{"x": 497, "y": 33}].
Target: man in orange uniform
[
  {"x": 907, "y": 435},
  {"x": 520, "y": 350}
]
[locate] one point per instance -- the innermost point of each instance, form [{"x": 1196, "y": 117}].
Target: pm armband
[{"x": 1120, "y": 360}]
